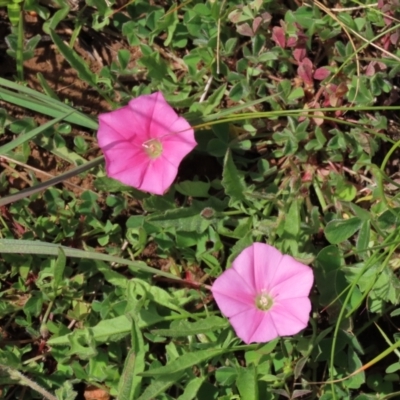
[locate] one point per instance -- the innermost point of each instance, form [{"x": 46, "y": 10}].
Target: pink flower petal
[
  {"x": 176, "y": 150},
  {"x": 113, "y": 126},
  {"x": 291, "y": 316},
  {"x": 266, "y": 261},
  {"x": 292, "y": 279},
  {"x": 254, "y": 326},
  {"x": 178, "y": 145},
  {"x": 126, "y": 176},
  {"x": 125, "y": 136},
  {"x": 181, "y": 130},
  {"x": 159, "y": 175},
  {"x": 117, "y": 158},
  {"x": 232, "y": 294},
  {"x": 258, "y": 273},
  {"x": 155, "y": 114},
  {"x": 257, "y": 264}
]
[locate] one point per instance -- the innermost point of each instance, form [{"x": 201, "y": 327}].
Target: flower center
[
  {"x": 153, "y": 148},
  {"x": 264, "y": 301}
]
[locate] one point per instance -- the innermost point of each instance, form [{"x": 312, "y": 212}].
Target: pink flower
[
  {"x": 264, "y": 294},
  {"x": 144, "y": 143}
]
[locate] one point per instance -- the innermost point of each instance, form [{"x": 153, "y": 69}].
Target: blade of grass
[
  {"x": 42, "y": 248},
  {"x": 387, "y": 340},
  {"x": 45, "y": 86},
  {"x": 35, "y": 101},
  {"x": 20, "y": 46}
]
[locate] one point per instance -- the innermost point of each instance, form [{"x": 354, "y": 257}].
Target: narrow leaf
[
  {"x": 182, "y": 219},
  {"x": 35, "y": 101},
  {"x": 363, "y": 237},
  {"x": 185, "y": 328},
  {"x": 191, "y": 389},
  {"x": 160, "y": 385},
  {"x": 59, "y": 268},
  {"x": 126, "y": 389},
  {"x": 102, "y": 332},
  {"x": 74, "y": 60},
  {"x": 43, "y": 248},
  {"x": 232, "y": 181},
  {"x": 183, "y": 362},
  {"x": 139, "y": 348}
]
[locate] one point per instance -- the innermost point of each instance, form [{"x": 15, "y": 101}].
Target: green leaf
[
  {"x": 123, "y": 58},
  {"x": 338, "y": 230},
  {"x": 37, "y": 247},
  {"x": 154, "y": 293},
  {"x": 194, "y": 189},
  {"x": 328, "y": 274},
  {"x": 226, "y": 376},
  {"x": 354, "y": 362},
  {"x": 33, "y": 100},
  {"x": 232, "y": 180},
  {"x": 160, "y": 385},
  {"x": 74, "y": 60},
  {"x": 192, "y": 388},
  {"x": 156, "y": 67},
  {"x": 111, "y": 276},
  {"x": 34, "y": 304},
  {"x": 292, "y": 220},
  {"x": 297, "y": 93},
  {"x": 393, "y": 368},
  {"x": 182, "y": 219},
  {"x": 215, "y": 99},
  {"x": 185, "y": 361},
  {"x": 59, "y": 268},
  {"x": 58, "y": 16},
  {"x": 110, "y": 329},
  {"x": 126, "y": 387},
  {"x": 30, "y": 135},
  {"x": 66, "y": 391},
  {"x": 185, "y": 328},
  {"x": 49, "y": 91},
  {"x": 360, "y": 212},
  {"x": 138, "y": 347},
  {"x": 238, "y": 91},
  {"x": 363, "y": 237},
  {"x": 246, "y": 383}
]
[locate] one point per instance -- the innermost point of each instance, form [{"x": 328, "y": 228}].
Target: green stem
[
  {"x": 343, "y": 314},
  {"x": 25, "y": 381},
  {"x": 43, "y": 326},
  {"x": 20, "y": 47}
]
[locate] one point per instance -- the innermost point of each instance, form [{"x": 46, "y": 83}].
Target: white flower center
[
  {"x": 153, "y": 148},
  {"x": 264, "y": 301}
]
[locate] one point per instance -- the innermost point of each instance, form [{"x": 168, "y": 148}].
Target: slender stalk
[
  {"x": 25, "y": 381},
  {"x": 20, "y": 47}
]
